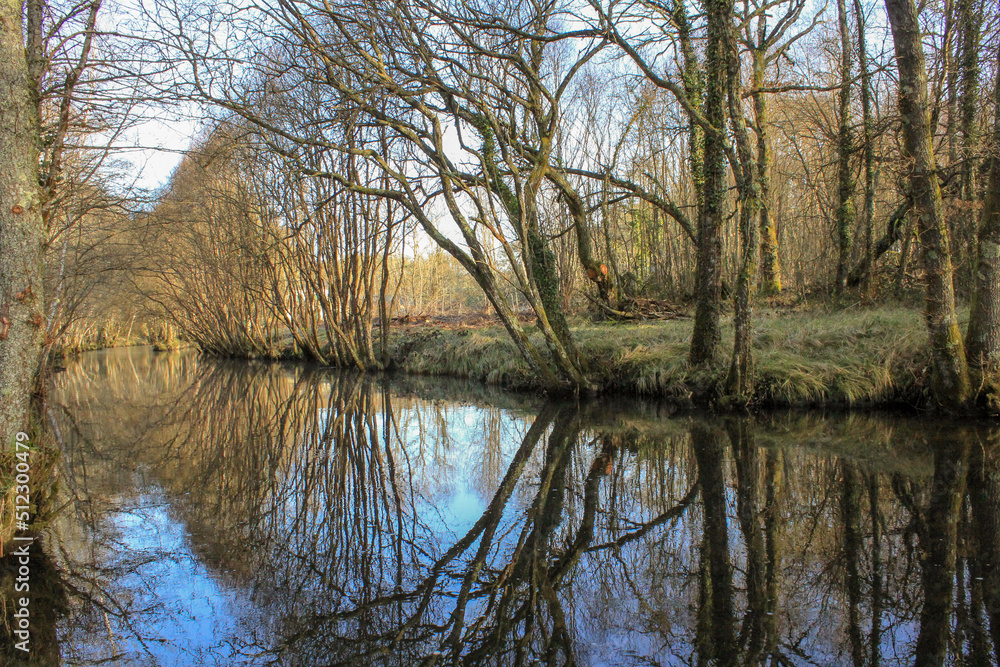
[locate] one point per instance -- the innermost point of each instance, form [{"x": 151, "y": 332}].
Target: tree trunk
[
  {"x": 541, "y": 263},
  {"x": 950, "y": 377},
  {"x": 596, "y": 271},
  {"x": 845, "y": 208},
  {"x": 21, "y": 233},
  {"x": 707, "y": 335},
  {"x": 694, "y": 89},
  {"x": 895, "y": 229},
  {"x": 969, "y": 18},
  {"x": 869, "y": 147},
  {"x": 770, "y": 266},
  {"x": 739, "y": 384},
  {"x": 983, "y": 337}
]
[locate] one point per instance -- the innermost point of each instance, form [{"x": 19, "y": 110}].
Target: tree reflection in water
[{"x": 331, "y": 518}]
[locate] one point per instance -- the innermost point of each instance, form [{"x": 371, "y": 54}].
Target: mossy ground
[{"x": 848, "y": 358}]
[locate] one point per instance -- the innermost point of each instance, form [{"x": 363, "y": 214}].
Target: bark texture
[
  {"x": 21, "y": 319},
  {"x": 970, "y": 17},
  {"x": 950, "y": 377},
  {"x": 739, "y": 384},
  {"x": 770, "y": 265},
  {"x": 983, "y": 337},
  {"x": 845, "y": 209},
  {"x": 867, "y": 141},
  {"x": 708, "y": 286}
]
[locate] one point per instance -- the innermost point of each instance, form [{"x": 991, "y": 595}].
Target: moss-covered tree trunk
[
  {"x": 949, "y": 369},
  {"x": 707, "y": 334},
  {"x": 21, "y": 231},
  {"x": 540, "y": 263},
  {"x": 694, "y": 90},
  {"x": 597, "y": 272},
  {"x": 565, "y": 370},
  {"x": 970, "y": 16},
  {"x": 868, "y": 145},
  {"x": 770, "y": 266},
  {"x": 845, "y": 176},
  {"x": 983, "y": 337},
  {"x": 739, "y": 384}
]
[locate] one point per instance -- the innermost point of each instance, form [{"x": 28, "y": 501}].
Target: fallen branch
[{"x": 637, "y": 309}]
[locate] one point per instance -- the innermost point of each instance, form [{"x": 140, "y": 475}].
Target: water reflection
[{"x": 223, "y": 513}]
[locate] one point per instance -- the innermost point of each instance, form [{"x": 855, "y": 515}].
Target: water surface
[{"x": 223, "y": 513}]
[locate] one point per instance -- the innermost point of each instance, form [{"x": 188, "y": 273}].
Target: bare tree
[{"x": 481, "y": 78}]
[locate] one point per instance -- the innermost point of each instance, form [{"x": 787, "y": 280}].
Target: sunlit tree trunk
[
  {"x": 770, "y": 266},
  {"x": 21, "y": 229},
  {"x": 950, "y": 377}
]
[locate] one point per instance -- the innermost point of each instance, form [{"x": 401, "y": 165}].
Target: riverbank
[
  {"x": 847, "y": 358},
  {"x": 854, "y": 358}
]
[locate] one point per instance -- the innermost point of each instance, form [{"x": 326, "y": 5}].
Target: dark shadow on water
[{"x": 27, "y": 572}]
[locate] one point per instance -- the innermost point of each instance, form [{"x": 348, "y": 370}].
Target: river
[{"x": 226, "y": 513}]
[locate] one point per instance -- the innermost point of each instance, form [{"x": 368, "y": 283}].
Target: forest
[
  {"x": 665, "y": 252},
  {"x": 696, "y": 169}
]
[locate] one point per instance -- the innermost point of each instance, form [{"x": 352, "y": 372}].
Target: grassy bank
[{"x": 851, "y": 358}]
